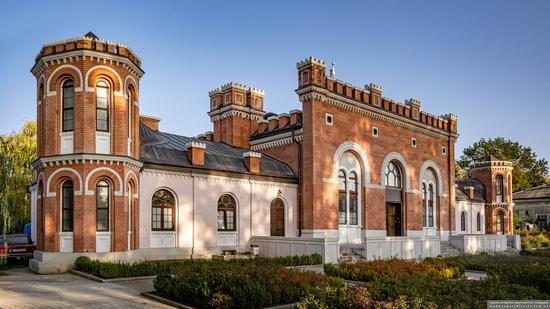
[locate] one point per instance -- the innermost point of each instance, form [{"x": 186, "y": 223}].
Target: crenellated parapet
[{"x": 312, "y": 77}]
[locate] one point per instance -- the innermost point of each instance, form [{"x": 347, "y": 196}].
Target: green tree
[
  {"x": 17, "y": 151},
  {"x": 529, "y": 171}
]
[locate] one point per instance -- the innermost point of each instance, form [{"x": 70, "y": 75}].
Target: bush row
[
  {"x": 483, "y": 260},
  {"x": 371, "y": 270},
  {"x": 536, "y": 252},
  {"x": 109, "y": 270},
  {"x": 420, "y": 290},
  {"x": 240, "y": 286},
  {"x": 534, "y": 275}
]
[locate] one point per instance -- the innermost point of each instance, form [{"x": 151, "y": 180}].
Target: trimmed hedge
[
  {"x": 109, "y": 270},
  {"x": 371, "y": 270},
  {"x": 483, "y": 260},
  {"x": 534, "y": 275},
  {"x": 536, "y": 252},
  {"x": 240, "y": 286}
]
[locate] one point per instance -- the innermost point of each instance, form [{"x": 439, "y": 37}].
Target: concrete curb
[{"x": 98, "y": 279}]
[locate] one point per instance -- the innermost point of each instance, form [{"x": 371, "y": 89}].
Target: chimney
[
  {"x": 209, "y": 136},
  {"x": 195, "y": 152},
  {"x": 284, "y": 119},
  {"x": 252, "y": 161},
  {"x": 295, "y": 116},
  {"x": 262, "y": 125},
  {"x": 470, "y": 191},
  {"x": 202, "y": 137},
  {"x": 150, "y": 121},
  {"x": 273, "y": 123}
]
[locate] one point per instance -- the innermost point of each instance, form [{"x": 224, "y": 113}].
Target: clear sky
[{"x": 486, "y": 61}]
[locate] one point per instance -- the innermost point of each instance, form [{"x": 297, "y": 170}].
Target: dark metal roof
[
  {"x": 169, "y": 149},
  {"x": 479, "y": 189},
  {"x": 92, "y": 35},
  {"x": 540, "y": 192}
]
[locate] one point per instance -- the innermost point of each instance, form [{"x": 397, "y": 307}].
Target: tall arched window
[
  {"x": 424, "y": 204},
  {"x": 394, "y": 199},
  {"x": 431, "y": 200},
  {"x": 393, "y": 175},
  {"x": 103, "y": 201},
  {"x": 353, "y": 213},
  {"x": 277, "y": 217},
  {"x": 102, "y": 106},
  {"x": 68, "y": 106},
  {"x": 478, "y": 221},
  {"x": 227, "y": 207},
  {"x": 499, "y": 188},
  {"x": 342, "y": 185},
  {"x": 500, "y": 222},
  {"x": 67, "y": 206},
  {"x": 163, "y": 204},
  {"x": 463, "y": 221},
  {"x": 130, "y": 103}
]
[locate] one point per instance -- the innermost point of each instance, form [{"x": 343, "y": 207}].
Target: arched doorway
[
  {"x": 349, "y": 199},
  {"x": 393, "y": 180},
  {"x": 277, "y": 217}
]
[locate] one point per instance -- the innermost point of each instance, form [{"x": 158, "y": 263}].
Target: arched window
[
  {"x": 103, "y": 201},
  {"x": 431, "y": 200},
  {"x": 500, "y": 222},
  {"x": 393, "y": 175},
  {"x": 352, "y": 187},
  {"x": 226, "y": 213},
  {"x": 463, "y": 221},
  {"x": 67, "y": 206},
  {"x": 102, "y": 106},
  {"x": 277, "y": 217},
  {"x": 424, "y": 204},
  {"x": 342, "y": 185},
  {"x": 163, "y": 204},
  {"x": 130, "y": 103},
  {"x": 68, "y": 106},
  {"x": 499, "y": 188},
  {"x": 478, "y": 221}
]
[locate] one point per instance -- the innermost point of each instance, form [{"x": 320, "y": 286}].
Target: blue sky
[{"x": 486, "y": 61}]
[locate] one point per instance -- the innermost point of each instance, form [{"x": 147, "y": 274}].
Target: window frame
[
  {"x": 500, "y": 223},
  {"x": 106, "y": 109},
  {"x": 499, "y": 188},
  {"x": 342, "y": 196},
  {"x": 66, "y": 187},
  {"x": 396, "y": 173},
  {"x": 225, "y": 211},
  {"x": 478, "y": 221},
  {"x": 163, "y": 208},
  {"x": 463, "y": 221},
  {"x": 63, "y": 104},
  {"x": 277, "y": 203},
  {"x": 108, "y": 208}
]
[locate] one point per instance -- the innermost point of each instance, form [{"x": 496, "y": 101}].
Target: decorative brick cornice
[
  {"x": 236, "y": 111},
  {"x": 275, "y": 141},
  {"x": 326, "y": 97},
  {"x": 70, "y": 159}
]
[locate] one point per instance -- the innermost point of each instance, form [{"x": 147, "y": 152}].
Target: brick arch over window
[
  {"x": 41, "y": 88},
  {"x": 361, "y": 155},
  {"x": 429, "y": 164},
  {"x": 66, "y": 172},
  {"x": 131, "y": 176},
  {"x": 396, "y": 156},
  {"x": 130, "y": 81},
  {"x": 105, "y": 172},
  {"x": 54, "y": 81},
  {"x": 103, "y": 70}
]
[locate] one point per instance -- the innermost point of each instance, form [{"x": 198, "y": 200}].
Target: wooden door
[
  {"x": 393, "y": 219},
  {"x": 277, "y": 217}
]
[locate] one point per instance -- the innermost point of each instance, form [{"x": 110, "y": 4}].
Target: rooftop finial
[{"x": 332, "y": 71}]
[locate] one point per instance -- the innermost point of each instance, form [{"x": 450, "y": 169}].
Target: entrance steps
[{"x": 448, "y": 250}]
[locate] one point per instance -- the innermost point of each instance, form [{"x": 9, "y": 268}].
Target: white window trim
[
  {"x": 413, "y": 142},
  {"x": 435, "y": 194},
  {"x": 327, "y": 122},
  {"x": 375, "y": 134},
  {"x": 359, "y": 196}
]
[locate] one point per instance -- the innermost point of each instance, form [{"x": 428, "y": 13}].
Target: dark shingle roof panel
[
  {"x": 540, "y": 192},
  {"x": 479, "y": 188},
  {"x": 170, "y": 149}
]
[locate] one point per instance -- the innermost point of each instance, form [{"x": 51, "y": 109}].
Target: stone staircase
[
  {"x": 351, "y": 254},
  {"x": 448, "y": 250}
]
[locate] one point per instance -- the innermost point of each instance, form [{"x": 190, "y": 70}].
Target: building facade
[
  {"x": 351, "y": 169},
  {"x": 533, "y": 205}
]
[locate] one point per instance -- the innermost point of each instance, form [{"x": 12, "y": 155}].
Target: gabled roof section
[
  {"x": 539, "y": 192},
  {"x": 170, "y": 150},
  {"x": 91, "y": 35}
]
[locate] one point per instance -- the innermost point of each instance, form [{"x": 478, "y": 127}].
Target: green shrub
[
  {"x": 109, "y": 270},
  {"x": 240, "y": 286},
  {"x": 483, "y": 260},
  {"x": 524, "y": 274}
]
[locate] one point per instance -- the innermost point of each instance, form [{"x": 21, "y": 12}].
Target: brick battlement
[
  {"x": 88, "y": 43},
  {"x": 371, "y": 95},
  {"x": 239, "y": 86}
]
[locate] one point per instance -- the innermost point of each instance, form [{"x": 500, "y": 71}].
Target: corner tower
[
  {"x": 496, "y": 175},
  {"x": 235, "y": 110},
  {"x": 86, "y": 173}
]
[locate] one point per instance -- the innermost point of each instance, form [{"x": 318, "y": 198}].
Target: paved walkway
[{"x": 24, "y": 289}]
